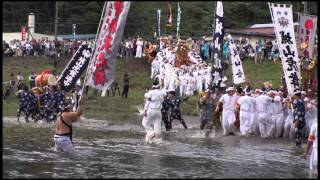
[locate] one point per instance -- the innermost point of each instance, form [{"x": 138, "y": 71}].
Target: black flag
[{"x": 75, "y": 68}]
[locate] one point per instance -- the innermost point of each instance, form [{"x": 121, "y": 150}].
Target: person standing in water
[
  {"x": 152, "y": 114},
  {"x": 63, "y": 128},
  {"x": 313, "y": 145},
  {"x": 175, "y": 112}
]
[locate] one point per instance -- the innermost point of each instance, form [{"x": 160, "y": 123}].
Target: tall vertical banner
[
  {"x": 237, "y": 69},
  {"x": 169, "y": 15},
  {"x": 217, "y": 34},
  {"x": 23, "y": 33},
  {"x": 284, "y": 29},
  {"x": 178, "y": 21},
  {"x": 306, "y": 34},
  {"x": 102, "y": 67},
  {"x": 158, "y": 18}
]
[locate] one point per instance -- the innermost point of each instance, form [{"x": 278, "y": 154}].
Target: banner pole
[{"x": 94, "y": 48}]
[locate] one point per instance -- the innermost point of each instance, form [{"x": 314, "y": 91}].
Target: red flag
[
  {"x": 169, "y": 16},
  {"x": 23, "y": 33},
  {"x": 102, "y": 67}
]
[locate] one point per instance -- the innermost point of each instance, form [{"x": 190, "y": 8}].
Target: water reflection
[{"x": 28, "y": 153}]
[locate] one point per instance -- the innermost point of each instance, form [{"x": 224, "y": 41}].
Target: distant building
[{"x": 254, "y": 33}]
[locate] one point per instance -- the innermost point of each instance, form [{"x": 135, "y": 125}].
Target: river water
[{"x": 105, "y": 151}]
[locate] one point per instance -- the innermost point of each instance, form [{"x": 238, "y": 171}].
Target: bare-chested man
[{"x": 63, "y": 137}]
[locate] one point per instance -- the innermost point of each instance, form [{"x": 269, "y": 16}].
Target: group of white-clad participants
[
  {"x": 265, "y": 114},
  {"x": 187, "y": 79}
]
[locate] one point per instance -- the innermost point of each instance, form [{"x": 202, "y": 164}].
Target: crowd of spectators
[{"x": 41, "y": 47}]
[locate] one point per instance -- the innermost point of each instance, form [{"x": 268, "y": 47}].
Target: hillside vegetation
[
  {"x": 196, "y": 16},
  {"x": 125, "y": 110}
]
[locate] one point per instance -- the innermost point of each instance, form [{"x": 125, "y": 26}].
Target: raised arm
[{"x": 75, "y": 116}]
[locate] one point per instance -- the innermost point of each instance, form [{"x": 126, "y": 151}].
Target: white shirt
[
  {"x": 229, "y": 102},
  {"x": 146, "y": 106},
  {"x": 247, "y": 103},
  {"x": 127, "y": 44},
  {"x": 263, "y": 103},
  {"x": 277, "y": 105},
  {"x": 155, "y": 97}
]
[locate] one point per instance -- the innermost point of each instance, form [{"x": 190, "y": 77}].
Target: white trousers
[
  {"x": 183, "y": 89},
  {"x": 255, "y": 123},
  {"x": 189, "y": 91},
  {"x": 265, "y": 124},
  {"x": 314, "y": 159},
  {"x": 279, "y": 124},
  {"x": 288, "y": 130},
  {"x": 228, "y": 119},
  {"x": 152, "y": 123},
  {"x": 166, "y": 82},
  {"x": 63, "y": 143},
  {"x": 245, "y": 122},
  {"x": 199, "y": 86}
]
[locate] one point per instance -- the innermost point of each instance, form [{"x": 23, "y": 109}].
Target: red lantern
[{"x": 308, "y": 24}]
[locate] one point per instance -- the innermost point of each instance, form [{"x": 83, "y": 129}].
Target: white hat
[
  {"x": 230, "y": 89},
  {"x": 303, "y": 93}
]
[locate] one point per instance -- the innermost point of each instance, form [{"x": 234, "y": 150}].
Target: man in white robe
[
  {"x": 246, "y": 104},
  {"x": 313, "y": 141},
  {"x": 263, "y": 107},
  {"x": 153, "y": 117},
  {"x": 278, "y": 116},
  {"x": 228, "y": 112},
  {"x": 139, "y": 44}
]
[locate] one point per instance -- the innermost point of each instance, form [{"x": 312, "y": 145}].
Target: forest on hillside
[{"x": 196, "y": 16}]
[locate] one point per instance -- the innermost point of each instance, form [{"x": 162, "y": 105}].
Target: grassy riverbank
[{"x": 118, "y": 109}]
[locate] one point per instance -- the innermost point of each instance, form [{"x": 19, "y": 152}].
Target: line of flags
[{"x": 102, "y": 65}]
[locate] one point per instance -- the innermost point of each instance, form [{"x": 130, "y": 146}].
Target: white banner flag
[
  {"x": 237, "y": 70},
  {"x": 284, "y": 30},
  {"x": 102, "y": 67},
  {"x": 158, "y": 18},
  {"x": 178, "y": 21}
]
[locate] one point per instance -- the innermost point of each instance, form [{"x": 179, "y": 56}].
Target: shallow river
[{"x": 105, "y": 151}]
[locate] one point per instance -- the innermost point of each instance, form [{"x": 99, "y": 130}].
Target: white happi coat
[
  {"x": 190, "y": 83},
  {"x": 228, "y": 113},
  {"x": 199, "y": 80},
  {"x": 155, "y": 67},
  {"x": 247, "y": 105},
  {"x": 263, "y": 107},
  {"x": 167, "y": 75},
  {"x": 277, "y": 117},
  {"x": 311, "y": 116},
  {"x": 183, "y": 84}
]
